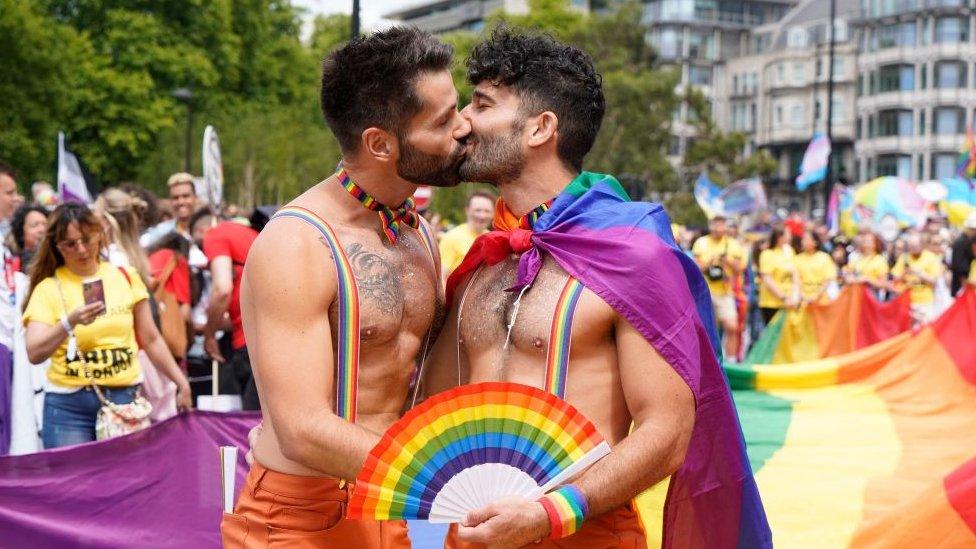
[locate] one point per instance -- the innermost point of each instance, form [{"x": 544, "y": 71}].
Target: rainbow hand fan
[{"x": 465, "y": 448}]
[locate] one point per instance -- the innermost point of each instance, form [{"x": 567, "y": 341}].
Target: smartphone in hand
[{"x": 93, "y": 291}]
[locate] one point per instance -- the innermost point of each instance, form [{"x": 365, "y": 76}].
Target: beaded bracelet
[{"x": 567, "y": 509}]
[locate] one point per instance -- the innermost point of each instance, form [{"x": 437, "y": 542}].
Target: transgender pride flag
[{"x": 814, "y": 166}]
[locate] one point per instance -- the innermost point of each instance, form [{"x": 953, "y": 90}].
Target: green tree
[{"x": 721, "y": 153}]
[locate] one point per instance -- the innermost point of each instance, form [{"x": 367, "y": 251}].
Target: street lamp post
[{"x": 186, "y": 96}]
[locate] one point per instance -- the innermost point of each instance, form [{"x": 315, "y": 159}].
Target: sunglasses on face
[{"x": 72, "y": 245}]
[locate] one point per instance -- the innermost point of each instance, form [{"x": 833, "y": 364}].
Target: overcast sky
[{"x": 371, "y": 11}]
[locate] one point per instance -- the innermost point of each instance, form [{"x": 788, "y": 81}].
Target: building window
[
  {"x": 796, "y": 115},
  {"x": 857, "y": 127},
  {"x": 944, "y": 165},
  {"x": 898, "y": 34},
  {"x": 948, "y": 121},
  {"x": 950, "y": 30},
  {"x": 838, "y": 66},
  {"x": 921, "y": 122},
  {"x": 895, "y": 122},
  {"x": 700, "y": 76},
  {"x": 780, "y": 74},
  {"x": 921, "y": 165},
  {"x": 701, "y": 45},
  {"x": 668, "y": 42},
  {"x": 818, "y": 69},
  {"x": 871, "y": 132},
  {"x": 950, "y": 74},
  {"x": 838, "y": 112},
  {"x": 924, "y": 75},
  {"x": 872, "y": 83},
  {"x": 896, "y": 78},
  {"x": 779, "y": 115},
  {"x": 796, "y": 37},
  {"x": 798, "y": 74},
  {"x": 895, "y": 164}
]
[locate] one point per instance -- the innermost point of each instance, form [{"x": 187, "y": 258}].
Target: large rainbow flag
[
  {"x": 875, "y": 448},
  {"x": 854, "y": 320}
]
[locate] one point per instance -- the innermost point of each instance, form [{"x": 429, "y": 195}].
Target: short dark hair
[
  {"x": 548, "y": 76},
  {"x": 197, "y": 216},
  {"x": 370, "y": 81},
  {"x": 5, "y": 169},
  {"x": 482, "y": 194}
]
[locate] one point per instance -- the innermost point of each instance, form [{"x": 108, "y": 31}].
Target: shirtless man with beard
[
  {"x": 333, "y": 370},
  {"x": 535, "y": 112}
]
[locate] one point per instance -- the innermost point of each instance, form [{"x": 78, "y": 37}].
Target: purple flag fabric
[
  {"x": 624, "y": 252},
  {"x": 159, "y": 487},
  {"x": 6, "y": 384}
]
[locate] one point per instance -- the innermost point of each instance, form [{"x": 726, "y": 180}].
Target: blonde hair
[
  {"x": 122, "y": 212},
  {"x": 180, "y": 178}
]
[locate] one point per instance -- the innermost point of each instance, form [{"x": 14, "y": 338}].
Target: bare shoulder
[{"x": 290, "y": 265}]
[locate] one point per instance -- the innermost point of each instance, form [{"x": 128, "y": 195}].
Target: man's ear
[
  {"x": 542, "y": 128},
  {"x": 379, "y": 144}
]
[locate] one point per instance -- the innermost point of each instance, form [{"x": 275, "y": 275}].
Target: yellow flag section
[
  {"x": 874, "y": 448},
  {"x": 854, "y": 320}
]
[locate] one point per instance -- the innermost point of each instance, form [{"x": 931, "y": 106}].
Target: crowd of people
[
  {"x": 780, "y": 264},
  {"x": 125, "y": 301}
]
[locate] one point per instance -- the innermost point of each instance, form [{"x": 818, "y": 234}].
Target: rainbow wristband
[{"x": 567, "y": 509}]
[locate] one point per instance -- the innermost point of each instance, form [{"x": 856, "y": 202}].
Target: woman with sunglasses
[{"x": 90, "y": 318}]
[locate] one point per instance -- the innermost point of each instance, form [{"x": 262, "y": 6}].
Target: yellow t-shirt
[
  {"x": 108, "y": 343},
  {"x": 814, "y": 270},
  {"x": 874, "y": 268},
  {"x": 706, "y": 249},
  {"x": 928, "y": 264},
  {"x": 972, "y": 272},
  {"x": 779, "y": 264},
  {"x": 454, "y": 245}
]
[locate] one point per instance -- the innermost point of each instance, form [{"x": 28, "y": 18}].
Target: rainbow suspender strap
[
  {"x": 347, "y": 332},
  {"x": 560, "y": 338},
  {"x": 566, "y": 507}
]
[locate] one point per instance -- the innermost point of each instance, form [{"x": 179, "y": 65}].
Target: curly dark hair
[
  {"x": 369, "y": 82},
  {"x": 547, "y": 76}
]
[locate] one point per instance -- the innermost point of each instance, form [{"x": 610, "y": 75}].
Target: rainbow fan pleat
[{"x": 471, "y": 426}]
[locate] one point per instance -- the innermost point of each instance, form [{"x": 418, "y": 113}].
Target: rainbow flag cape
[
  {"x": 856, "y": 319},
  {"x": 874, "y": 448},
  {"x": 624, "y": 252}
]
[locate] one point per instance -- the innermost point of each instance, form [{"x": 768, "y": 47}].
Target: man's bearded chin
[
  {"x": 494, "y": 159},
  {"x": 429, "y": 169}
]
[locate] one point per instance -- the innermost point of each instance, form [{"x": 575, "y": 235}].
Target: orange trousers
[
  {"x": 618, "y": 528},
  {"x": 280, "y": 510}
]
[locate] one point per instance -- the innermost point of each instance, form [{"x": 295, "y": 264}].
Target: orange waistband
[{"x": 297, "y": 486}]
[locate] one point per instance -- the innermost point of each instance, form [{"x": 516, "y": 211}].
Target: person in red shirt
[{"x": 226, "y": 244}]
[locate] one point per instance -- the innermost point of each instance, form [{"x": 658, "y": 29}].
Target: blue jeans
[{"x": 70, "y": 418}]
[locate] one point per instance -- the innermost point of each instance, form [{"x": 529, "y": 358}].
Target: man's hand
[
  {"x": 508, "y": 522},
  {"x": 252, "y": 440},
  {"x": 212, "y": 348}
]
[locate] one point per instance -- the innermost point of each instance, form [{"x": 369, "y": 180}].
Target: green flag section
[
  {"x": 856, "y": 319},
  {"x": 872, "y": 448}
]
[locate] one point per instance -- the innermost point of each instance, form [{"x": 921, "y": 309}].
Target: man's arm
[
  {"x": 288, "y": 286},
  {"x": 221, "y": 290},
  {"x": 663, "y": 414}
]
